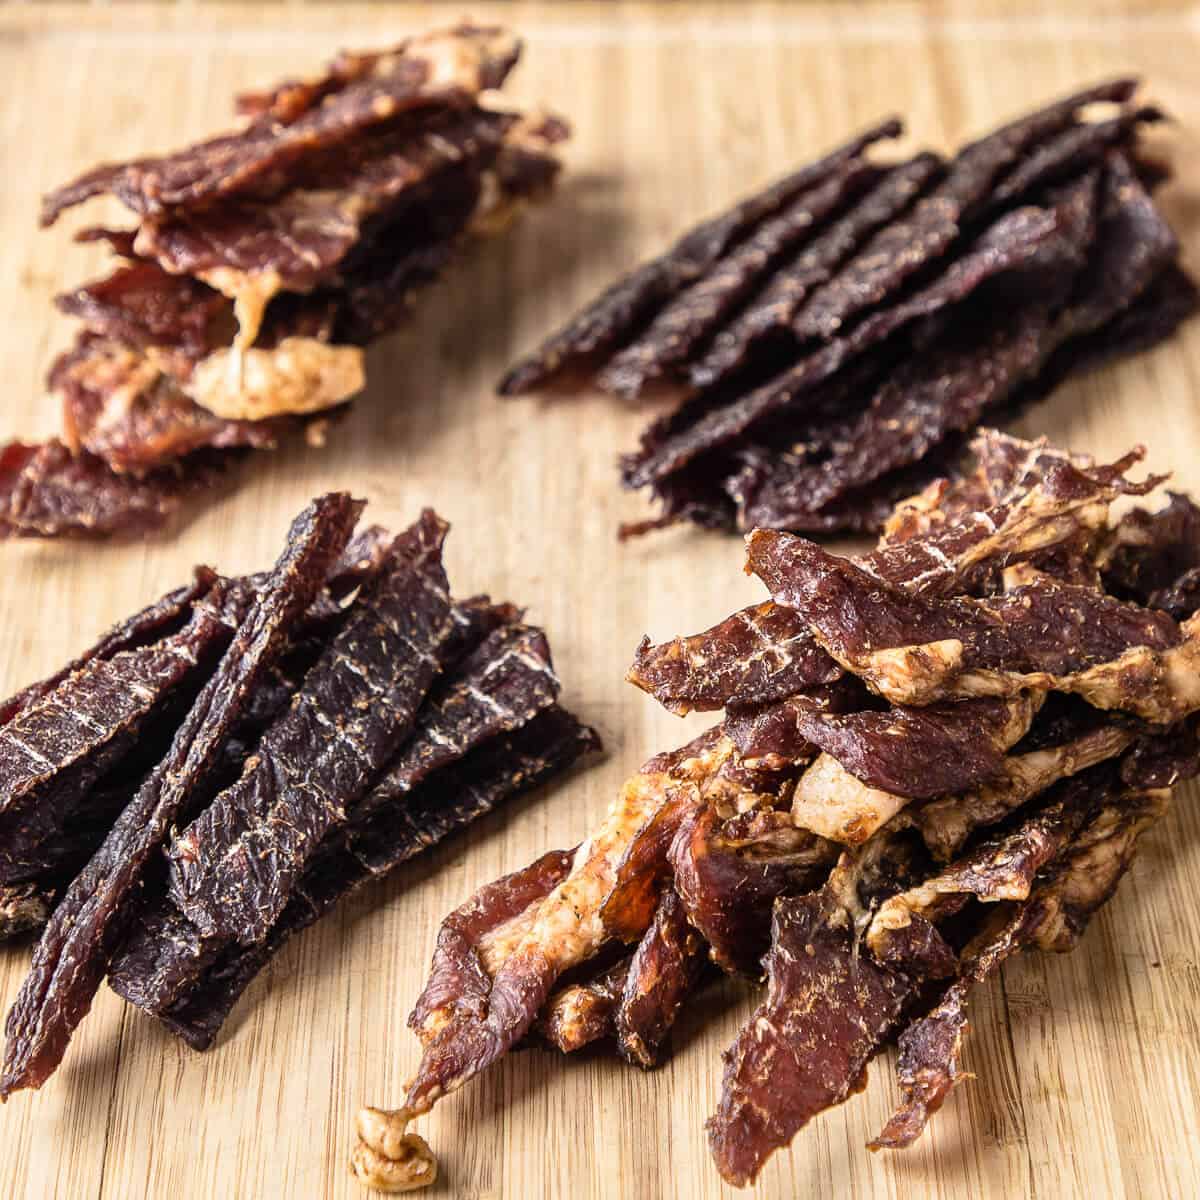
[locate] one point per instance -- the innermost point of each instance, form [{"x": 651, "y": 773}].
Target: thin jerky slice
[
  {"x": 729, "y": 873},
  {"x": 72, "y": 956},
  {"x": 774, "y": 309},
  {"x": 610, "y": 319},
  {"x": 232, "y": 870},
  {"x": 441, "y": 67},
  {"x": 664, "y": 968},
  {"x": 692, "y": 315},
  {"x": 582, "y": 1013}
]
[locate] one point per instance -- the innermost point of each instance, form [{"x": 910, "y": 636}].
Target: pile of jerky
[
  {"x": 261, "y": 264},
  {"x": 836, "y": 336},
  {"x": 932, "y": 756},
  {"x": 215, "y": 773}
]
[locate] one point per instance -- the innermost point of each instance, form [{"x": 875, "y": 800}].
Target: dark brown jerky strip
[
  {"x": 664, "y": 968},
  {"x": 72, "y": 956},
  {"x": 471, "y": 58},
  {"x": 729, "y": 874},
  {"x": 1150, "y": 551},
  {"x": 582, "y": 1013},
  {"x": 59, "y": 746},
  {"x": 46, "y": 491},
  {"x": 233, "y": 868},
  {"x": 903, "y": 248},
  {"x": 774, "y": 309},
  {"x": 155, "y": 621},
  {"x": 693, "y": 314},
  {"x": 611, "y": 319},
  {"x": 770, "y": 735},
  {"x": 807, "y": 1046},
  {"x": 193, "y": 998},
  {"x": 23, "y": 908}
]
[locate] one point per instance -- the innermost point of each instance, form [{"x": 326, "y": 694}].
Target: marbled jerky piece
[
  {"x": 729, "y": 873},
  {"x": 774, "y": 308},
  {"x": 614, "y": 316},
  {"x": 693, "y": 314},
  {"x": 664, "y": 968},
  {"x": 73, "y": 954},
  {"x": 807, "y": 1046},
  {"x": 901, "y": 249},
  {"x": 582, "y": 1013},
  {"x": 233, "y": 868},
  {"x": 445, "y": 67}
]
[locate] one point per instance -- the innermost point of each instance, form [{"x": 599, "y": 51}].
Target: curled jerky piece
[
  {"x": 72, "y": 956},
  {"x": 582, "y": 1013}
]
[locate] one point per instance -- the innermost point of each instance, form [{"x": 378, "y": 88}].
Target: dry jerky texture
[
  {"x": 261, "y": 264},
  {"x": 932, "y": 756},
  {"x": 833, "y": 338},
  {"x": 219, "y": 770}
]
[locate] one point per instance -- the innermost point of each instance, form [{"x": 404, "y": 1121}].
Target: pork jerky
[
  {"x": 232, "y": 870},
  {"x": 72, "y": 955}
]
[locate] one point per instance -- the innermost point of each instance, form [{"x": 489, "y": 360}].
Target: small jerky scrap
[
  {"x": 931, "y": 757},
  {"x": 834, "y": 339},
  {"x": 260, "y": 265},
  {"x": 276, "y": 742}
]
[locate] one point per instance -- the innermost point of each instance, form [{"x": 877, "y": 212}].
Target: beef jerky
[
  {"x": 729, "y": 873},
  {"x": 774, "y": 309},
  {"x": 442, "y": 67},
  {"x": 46, "y": 491},
  {"x": 614, "y": 316},
  {"x": 232, "y": 870},
  {"x": 72, "y": 956},
  {"x": 770, "y": 735},
  {"x": 24, "y": 908},
  {"x": 903, "y": 248},
  {"x": 690, "y": 317},
  {"x": 1147, "y": 552},
  {"x": 664, "y": 968},
  {"x": 582, "y": 1013},
  {"x": 806, "y": 1047}
]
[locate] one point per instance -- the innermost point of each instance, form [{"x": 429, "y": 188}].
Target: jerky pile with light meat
[
  {"x": 932, "y": 756},
  {"x": 218, "y": 771},
  {"x": 261, "y": 263},
  {"x": 835, "y": 337}
]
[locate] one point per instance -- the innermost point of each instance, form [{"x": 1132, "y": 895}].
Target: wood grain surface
[{"x": 1088, "y": 1065}]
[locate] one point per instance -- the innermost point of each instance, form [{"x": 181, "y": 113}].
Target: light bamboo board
[{"x": 1088, "y": 1066}]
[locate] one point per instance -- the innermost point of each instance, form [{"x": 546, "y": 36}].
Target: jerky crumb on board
[
  {"x": 831, "y": 339},
  {"x": 932, "y": 756},
  {"x": 260, "y": 265},
  {"x": 217, "y": 771}
]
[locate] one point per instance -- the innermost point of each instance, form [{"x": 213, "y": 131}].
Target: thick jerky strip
[
  {"x": 582, "y": 1013},
  {"x": 46, "y": 491},
  {"x": 691, "y": 316},
  {"x": 23, "y": 907},
  {"x": 773, "y": 310},
  {"x": 446, "y": 803},
  {"x": 664, "y": 968},
  {"x": 807, "y": 1046},
  {"x": 59, "y": 746},
  {"x": 72, "y": 956},
  {"x": 903, "y": 248},
  {"x": 442, "y": 67},
  {"x": 153, "y": 622},
  {"x": 610, "y": 320},
  {"x": 728, "y": 874},
  {"x": 232, "y": 870}
]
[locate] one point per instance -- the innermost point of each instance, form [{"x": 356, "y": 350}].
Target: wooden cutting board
[{"x": 1088, "y": 1066}]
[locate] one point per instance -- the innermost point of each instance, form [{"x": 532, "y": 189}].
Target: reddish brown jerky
[
  {"x": 582, "y": 1013},
  {"x": 72, "y": 956}
]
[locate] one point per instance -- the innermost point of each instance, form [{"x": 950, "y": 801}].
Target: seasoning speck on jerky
[
  {"x": 260, "y": 265},
  {"x": 832, "y": 339},
  {"x": 932, "y": 756},
  {"x": 276, "y": 741}
]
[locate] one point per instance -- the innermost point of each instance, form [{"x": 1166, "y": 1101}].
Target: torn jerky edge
[
  {"x": 932, "y": 756},
  {"x": 261, "y": 264},
  {"x": 324, "y": 721},
  {"x": 831, "y": 340}
]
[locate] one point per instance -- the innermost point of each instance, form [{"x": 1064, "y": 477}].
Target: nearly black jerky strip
[
  {"x": 610, "y": 319},
  {"x": 233, "y": 868},
  {"x": 72, "y": 956},
  {"x": 448, "y": 801},
  {"x": 693, "y": 314},
  {"x": 773, "y": 310}
]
